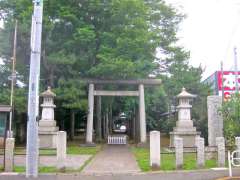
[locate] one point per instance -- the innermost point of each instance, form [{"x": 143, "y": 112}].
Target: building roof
[{"x": 5, "y": 108}]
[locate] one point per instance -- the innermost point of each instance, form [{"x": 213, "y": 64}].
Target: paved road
[
  {"x": 179, "y": 175},
  {"x": 113, "y": 159}
]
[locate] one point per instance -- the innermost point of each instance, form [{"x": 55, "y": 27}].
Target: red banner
[
  {"x": 229, "y": 83},
  {"x": 228, "y": 80}
]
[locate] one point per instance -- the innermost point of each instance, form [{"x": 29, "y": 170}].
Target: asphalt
[{"x": 176, "y": 175}]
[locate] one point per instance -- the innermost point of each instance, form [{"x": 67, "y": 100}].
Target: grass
[
  {"x": 44, "y": 169},
  {"x": 83, "y": 150},
  {"x": 72, "y": 149},
  {"x": 168, "y": 160}
]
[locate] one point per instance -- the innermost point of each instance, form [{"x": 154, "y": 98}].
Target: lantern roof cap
[
  {"x": 185, "y": 94},
  {"x": 48, "y": 93}
]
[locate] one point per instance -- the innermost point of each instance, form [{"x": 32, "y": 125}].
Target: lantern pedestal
[
  {"x": 187, "y": 136},
  {"x": 47, "y": 134},
  {"x": 184, "y": 127},
  {"x": 47, "y": 125}
]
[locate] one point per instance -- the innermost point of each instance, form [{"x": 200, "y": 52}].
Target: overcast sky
[{"x": 210, "y": 31}]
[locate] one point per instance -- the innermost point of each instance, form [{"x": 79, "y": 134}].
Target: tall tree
[{"x": 99, "y": 39}]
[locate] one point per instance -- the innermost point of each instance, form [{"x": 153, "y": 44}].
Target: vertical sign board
[
  {"x": 3, "y": 122},
  {"x": 4, "y": 111},
  {"x": 229, "y": 85}
]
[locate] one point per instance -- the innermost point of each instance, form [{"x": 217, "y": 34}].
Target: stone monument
[
  {"x": 215, "y": 120},
  {"x": 178, "y": 144},
  {"x": 47, "y": 125},
  {"x": 155, "y": 150},
  {"x": 220, "y": 142},
  {"x": 184, "y": 127}
]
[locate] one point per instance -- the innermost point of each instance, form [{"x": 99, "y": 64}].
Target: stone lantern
[
  {"x": 184, "y": 125},
  {"x": 47, "y": 125}
]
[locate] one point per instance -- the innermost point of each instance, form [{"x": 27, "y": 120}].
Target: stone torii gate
[{"x": 140, "y": 93}]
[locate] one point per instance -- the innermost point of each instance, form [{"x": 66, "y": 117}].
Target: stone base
[
  {"x": 47, "y": 139},
  {"x": 188, "y": 138}
]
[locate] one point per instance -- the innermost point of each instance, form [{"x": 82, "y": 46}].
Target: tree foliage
[{"x": 231, "y": 118}]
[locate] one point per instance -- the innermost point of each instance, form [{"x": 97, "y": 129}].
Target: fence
[
  {"x": 117, "y": 139},
  {"x": 233, "y": 160}
]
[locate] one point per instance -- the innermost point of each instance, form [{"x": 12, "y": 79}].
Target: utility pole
[
  {"x": 13, "y": 81},
  {"x": 222, "y": 82},
  {"x": 236, "y": 70},
  {"x": 33, "y": 95}
]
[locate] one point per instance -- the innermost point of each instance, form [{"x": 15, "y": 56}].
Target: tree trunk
[
  {"x": 110, "y": 119},
  {"x": 107, "y": 124},
  {"x": 72, "y": 129},
  {"x": 99, "y": 119},
  {"x": 51, "y": 78},
  {"x": 103, "y": 126}
]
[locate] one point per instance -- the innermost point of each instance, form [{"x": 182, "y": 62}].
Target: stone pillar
[
  {"x": 89, "y": 135},
  {"x": 155, "y": 152},
  {"x": 221, "y": 151},
  {"x": 178, "y": 143},
  {"x": 237, "y": 143},
  {"x": 200, "y": 152},
  {"x": 215, "y": 120},
  {"x": 142, "y": 115},
  {"x": 61, "y": 149},
  {"x": 99, "y": 118},
  {"x": 9, "y": 154}
]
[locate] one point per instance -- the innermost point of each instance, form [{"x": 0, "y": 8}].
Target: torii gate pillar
[
  {"x": 142, "y": 114},
  {"x": 89, "y": 135}
]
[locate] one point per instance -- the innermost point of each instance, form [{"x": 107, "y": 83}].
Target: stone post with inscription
[
  {"x": 221, "y": 151},
  {"x": 61, "y": 149},
  {"x": 178, "y": 143},
  {"x": 200, "y": 152},
  {"x": 9, "y": 155},
  {"x": 155, "y": 152},
  {"x": 215, "y": 120}
]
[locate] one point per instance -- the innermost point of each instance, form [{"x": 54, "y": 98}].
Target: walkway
[
  {"x": 72, "y": 161},
  {"x": 113, "y": 159}
]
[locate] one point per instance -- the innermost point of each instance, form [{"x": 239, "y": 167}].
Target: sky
[{"x": 210, "y": 32}]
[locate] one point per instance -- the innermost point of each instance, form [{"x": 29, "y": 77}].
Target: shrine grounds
[
  {"x": 167, "y": 171},
  {"x": 141, "y": 155}
]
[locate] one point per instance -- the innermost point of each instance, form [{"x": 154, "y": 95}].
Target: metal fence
[{"x": 117, "y": 139}]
